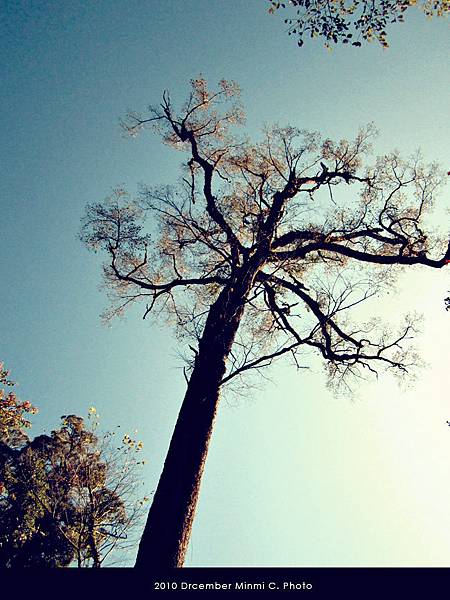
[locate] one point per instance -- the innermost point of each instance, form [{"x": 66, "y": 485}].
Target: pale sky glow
[
  {"x": 336, "y": 482},
  {"x": 295, "y": 476}
]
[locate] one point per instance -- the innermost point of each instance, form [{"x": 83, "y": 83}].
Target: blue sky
[{"x": 294, "y": 476}]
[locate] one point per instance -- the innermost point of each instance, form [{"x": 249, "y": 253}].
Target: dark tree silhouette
[
  {"x": 350, "y": 21},
  {"x": 65, "y": 498},
  {"x": 260, "y": 252}
]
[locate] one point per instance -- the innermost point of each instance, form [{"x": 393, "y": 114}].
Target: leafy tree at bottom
[{"x": 65, "y": 498}]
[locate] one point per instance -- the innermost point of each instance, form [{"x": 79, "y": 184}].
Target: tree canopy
[
  {"x": 350, "y": 21},
  {"x": 308, "y": 204}
]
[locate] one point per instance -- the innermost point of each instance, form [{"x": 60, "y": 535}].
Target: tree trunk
[
  {"x": 96, "y": 563},
  {"x": 166, "y": 536}
]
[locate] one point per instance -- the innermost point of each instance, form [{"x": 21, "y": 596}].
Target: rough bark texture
[{"x": 166, "y": 535}]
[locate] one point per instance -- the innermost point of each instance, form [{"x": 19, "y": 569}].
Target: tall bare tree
[{"x": 261, "y": 251}]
